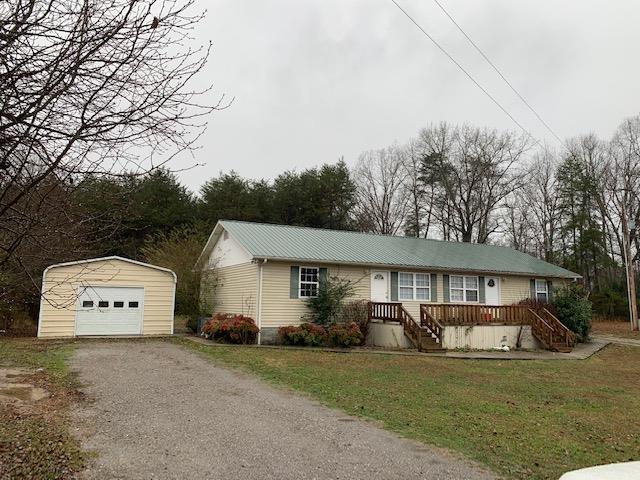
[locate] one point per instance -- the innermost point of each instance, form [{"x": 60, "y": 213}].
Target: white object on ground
[{"x": 613, "y": 471}]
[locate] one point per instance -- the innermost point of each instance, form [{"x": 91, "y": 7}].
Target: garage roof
[
  {"x": 282, "y": 242},
  {"x": 112, "y": 257}
]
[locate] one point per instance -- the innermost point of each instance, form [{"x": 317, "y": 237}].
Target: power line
[
  {"x": 484, "y": 90},
  {"x": 479, "y": 50}
]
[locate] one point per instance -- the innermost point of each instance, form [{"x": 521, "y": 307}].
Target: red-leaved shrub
[
  {"x": 344, "y": 335},
  {"x": 306, "y": 334},
  {"x": 231, "y": 328}
]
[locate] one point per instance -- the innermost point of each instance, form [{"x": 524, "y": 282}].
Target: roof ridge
[{"x": 372, "y": 234}]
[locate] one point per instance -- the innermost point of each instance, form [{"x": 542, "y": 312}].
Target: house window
[
  {"x": 542, "y": 291},
  {"x": 463, "y": 289},
  {"x": 309, "y": 281},
  {"x": 414, "y": 286}
]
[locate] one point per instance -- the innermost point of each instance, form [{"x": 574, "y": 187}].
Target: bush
[
  {"x": 573, "y": 309},
  {"x": 230, "y": 328},
  {"x": 357, "y": 311},
  {"x": 344, "y": 335},
  {"x": 327, "y": 306},
  {"x": 307, "y": 334}
]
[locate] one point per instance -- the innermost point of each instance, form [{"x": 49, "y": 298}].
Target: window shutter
[
  {"x": 481, "y": 295},
  {"x": 322, "y": 277},
  {"x": 532, "y": 284},
  {"x": 434, "y": 287},
  {"x": 394, "y": 286},
  {"x": 294, "y": 282},
  {"x": 445, "y": 286},
  {"x": 550, "y": 290}
]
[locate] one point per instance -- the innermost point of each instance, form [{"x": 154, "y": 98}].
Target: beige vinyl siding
[
  {"x": 61, "y": 286},
  {"x": 236, "y": 290},
  {"x": 279, "y": 310}
]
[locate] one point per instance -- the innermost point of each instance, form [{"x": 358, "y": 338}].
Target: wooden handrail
[
  {"x": 567, "y": 336},
  {"x": 541, "y": 329},
  {"x": 428, "y": 321}
]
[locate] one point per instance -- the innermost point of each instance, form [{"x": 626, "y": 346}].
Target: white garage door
[{"x": 110, "y": 311}]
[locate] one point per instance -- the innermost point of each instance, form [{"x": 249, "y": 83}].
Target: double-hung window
[
  {"x": 542, "y": 291},
  {"x": 414, "y": 286},
  {"x": 463, "y": 289},
  {"x": 309, "y": 282}
]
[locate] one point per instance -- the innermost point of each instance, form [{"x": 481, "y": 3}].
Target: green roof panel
[{"x": 336, "y": 246}]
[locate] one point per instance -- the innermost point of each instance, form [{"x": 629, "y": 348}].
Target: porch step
[
  {"x": 429, "y": 344},
  {"x": 561, "y": 347}
]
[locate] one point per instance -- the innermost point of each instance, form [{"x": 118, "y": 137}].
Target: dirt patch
[
  {"x": 616, "y": 329},
  {"x": 15, "y": 391}
]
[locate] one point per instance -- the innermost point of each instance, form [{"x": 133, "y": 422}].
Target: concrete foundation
[
  {"x": 387, "y": 335},
  {"x": 486, "y": 337}
]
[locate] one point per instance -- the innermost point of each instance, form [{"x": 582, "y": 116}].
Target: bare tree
[
  {"x": 382, "y": 199},
  {"x": 89, "y": 87},
  {"x": 623, "y": 182},
  {"x": 421, "y": 195},
  {"x": 474, "y": 171}
]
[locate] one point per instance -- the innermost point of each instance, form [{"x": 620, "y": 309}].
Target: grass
[
  {"x": 35, "y": 439},
  {"x": 616, "y": 329},
  {"x": 523, "y": 419}
]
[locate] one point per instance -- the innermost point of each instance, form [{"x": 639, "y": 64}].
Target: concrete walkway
[
  {"x": 580, "y": 352},
  {"x": 634, "y": 342},
  {"x": 160, "y": 411}
]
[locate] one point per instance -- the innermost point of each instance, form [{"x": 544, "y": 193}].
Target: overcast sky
[{"x": 316, "y": 80}]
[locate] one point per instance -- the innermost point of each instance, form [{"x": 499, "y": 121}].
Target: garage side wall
[{"x": 62, "y": 285}]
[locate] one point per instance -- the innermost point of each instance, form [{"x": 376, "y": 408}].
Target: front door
[
  {"x": 379, "y": 286},
  {"x": 492, "y": 290}
]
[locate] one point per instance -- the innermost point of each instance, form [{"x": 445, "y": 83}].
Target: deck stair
[
  {"x": 426, "y": 337},
  {"x": 550, "y": 331}
]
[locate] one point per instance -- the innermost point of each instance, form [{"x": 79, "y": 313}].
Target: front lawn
[
  {"x": 35, "y": 440},
  {"x": 523, "y": 419}
]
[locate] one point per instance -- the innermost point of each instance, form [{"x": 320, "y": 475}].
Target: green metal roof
[{"x": 282, "y": 242}]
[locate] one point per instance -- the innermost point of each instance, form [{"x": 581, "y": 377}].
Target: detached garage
[{"x": 106, "y": 296}]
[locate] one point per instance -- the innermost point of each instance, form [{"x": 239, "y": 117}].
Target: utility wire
[
  {"x": 484, "y": 90},
  {"x": 479, "y": 50}
]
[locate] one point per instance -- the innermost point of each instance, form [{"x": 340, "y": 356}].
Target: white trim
[
  {"x": 259, "y": 313},
  {"x": 106, "y": 259},
  {"x": 300, "y": 267},
  {"x": 465, "y": 289},
  {"x": 213, "y": 239}
]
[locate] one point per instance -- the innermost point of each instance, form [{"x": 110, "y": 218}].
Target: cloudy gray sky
[{"x": 315, "y": 80}]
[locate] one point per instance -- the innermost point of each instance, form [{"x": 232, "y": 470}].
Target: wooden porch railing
[
  {"x": 384, "y": 311},
  {"x": 453, "y": 314},
  {"x": 562, "y": 335}
]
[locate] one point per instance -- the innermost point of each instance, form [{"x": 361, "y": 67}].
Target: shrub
[
  {"x": 307, "y": 334},
  {"x": 327, "y": 306},
  {"x": 230, "y": 328},
  {"x": 357, "y": 311},
  {"x": 573, "y": 309},
  {"x": 344, "y": 334}
]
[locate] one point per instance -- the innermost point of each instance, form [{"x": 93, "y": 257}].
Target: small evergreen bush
[
  {"x": 306, "y": 335},
  {"x": 573, "y": 309},
  {"x": 327, "y": 307},
  {"x": 231, "y": 328}
]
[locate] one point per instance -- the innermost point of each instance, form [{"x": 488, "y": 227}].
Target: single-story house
[
  {"x": 419, "y": 290},
  {"x": 106, "y": 296}
]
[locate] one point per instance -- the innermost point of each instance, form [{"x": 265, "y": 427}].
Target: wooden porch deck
[{"x": 426, "y": 333}]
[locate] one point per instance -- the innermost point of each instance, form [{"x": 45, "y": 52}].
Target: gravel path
[{"x": 162, "y": 412}]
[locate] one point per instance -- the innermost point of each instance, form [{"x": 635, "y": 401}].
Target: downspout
[{"x": 259, "y": 319}]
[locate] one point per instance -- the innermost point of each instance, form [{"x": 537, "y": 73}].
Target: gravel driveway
[{"x": 160, "y": 411}]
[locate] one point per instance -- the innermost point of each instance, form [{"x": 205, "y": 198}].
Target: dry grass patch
[
  {"x": 617, "y": 329},
  {"x": 524, "y": 419},
  {"x": 36, "y": 391}
]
